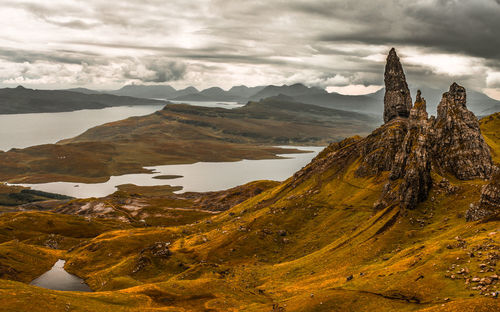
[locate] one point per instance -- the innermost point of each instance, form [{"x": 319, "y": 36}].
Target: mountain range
[
  {"x": 23, "y": 100},
  {"x": 478, "y": 102}
]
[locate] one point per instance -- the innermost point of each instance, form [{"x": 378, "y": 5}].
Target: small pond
[{"x": 58, "y": 279}]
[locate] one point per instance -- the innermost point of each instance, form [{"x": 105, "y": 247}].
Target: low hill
[
  {"x": 210, "y": 94},
  {"x": 293, "y": 90},
  {"x": 145, "y": 91},
  {"x": 21, "y": 100},
  {"x": 183, "y": 133}
]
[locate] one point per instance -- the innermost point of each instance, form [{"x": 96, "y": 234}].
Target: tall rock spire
[{"x": 397, "y": 99}]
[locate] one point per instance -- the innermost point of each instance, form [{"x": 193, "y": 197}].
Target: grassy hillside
[
  {"x": 490, "y": 126},
  {"x": 311, "y": 243}
]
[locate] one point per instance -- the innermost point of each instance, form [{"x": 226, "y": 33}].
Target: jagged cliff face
[
  {"x": 410, "y": 145},
  {"x": 451, "y": 143},
  {"x": 397, "y": 99},
  {"x": 459, "y": 147},
  {"x": 412, "y": 163}
]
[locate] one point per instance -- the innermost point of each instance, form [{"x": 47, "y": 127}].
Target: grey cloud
[
  {"x": 47, "y": 14},
  {"x": 76, "y": 24},
  {"x": 451, "y": 26},
  {"x": 60, "y": 56},
  {"x": 154, "y": 70},
  {"x": 292, "y": 39},
  {"x": 213, "y": 54}
]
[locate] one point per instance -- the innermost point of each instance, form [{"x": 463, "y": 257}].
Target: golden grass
[{"x": 289, "y": 248}]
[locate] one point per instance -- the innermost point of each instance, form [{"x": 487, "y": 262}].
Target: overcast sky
[{"x": 336, "y": 44}]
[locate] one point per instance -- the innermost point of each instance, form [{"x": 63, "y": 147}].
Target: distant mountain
[
  {"x": 210, "y": 94},
  {"x": 477, "y": 102},
  {"x": 355, "y": 103},
  {"x": 244, "y": 91},
  {"x": 186, "y": 91},
  {"x": 293, "y": 90},
  {"x": 83, "y": 90},
  {"x": 144, "y": 91},
  {"x": 22, "y": 100},
  {"x": 320, "y": 97}
]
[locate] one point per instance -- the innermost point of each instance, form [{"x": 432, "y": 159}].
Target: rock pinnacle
[{"x": 397, "y": 99}]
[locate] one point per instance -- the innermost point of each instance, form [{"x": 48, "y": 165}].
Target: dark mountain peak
[
  {"x": 238, "y": 87},
  {"x": 397, "y": 98},
  {"x": 190, "y": 89},
  {"x": 280, "y": 97},
  {"x": 147, "y": 87},
  {"x": 294, "y": 90},
  {"x": 20, "y": 87},
  {"x": 213, "y": 89}
]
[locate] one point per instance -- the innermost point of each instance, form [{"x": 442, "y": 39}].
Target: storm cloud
[{"x": 340, "y": 45}]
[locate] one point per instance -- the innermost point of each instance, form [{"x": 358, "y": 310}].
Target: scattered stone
[{"x": 349, "y": 278}]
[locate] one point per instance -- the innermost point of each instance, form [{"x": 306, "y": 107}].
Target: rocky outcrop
[
  {"x": 410, "y": 178},
  {"x": 413, "y": 162},
  {"x": 397, "y": 99},
  {"x": 489, "y": 203},
  {"x": 459, "y": 147},
  {"x": 380, "y": 148},
  {"x": 409, "y": 145}
]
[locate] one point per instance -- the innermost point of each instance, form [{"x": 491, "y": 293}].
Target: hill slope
[{"x": 21, "y": 100}]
